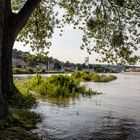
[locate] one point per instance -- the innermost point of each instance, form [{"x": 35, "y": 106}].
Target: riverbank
[
  {"x": 20, "y": 121},
  {"x": 31, "y": 71},
  {"x": 131, "y": 73}
]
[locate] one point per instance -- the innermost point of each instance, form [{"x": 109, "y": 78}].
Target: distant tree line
[{"x": 34, "y": 59}]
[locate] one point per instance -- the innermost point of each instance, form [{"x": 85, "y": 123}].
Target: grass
[
  {"x": 17, "y": 133},
  {"x": 20, "y": 118},
  {"x": 16, "y": 126},
  {"x": 103, "y": 78},
  {"x": 23, "y": 99},
  {"x": 55, "y": 86},
  {"x": 87, "y": 76},
  {"x": 32, "y": 71},
  {"x": 25, "y": 118}
]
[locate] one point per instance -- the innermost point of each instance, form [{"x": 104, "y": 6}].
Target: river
[{"x": 113, "y": 115}]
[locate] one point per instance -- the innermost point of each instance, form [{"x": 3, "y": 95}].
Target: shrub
[
  {"x": 23, "y": 71},
  {"x": 19, "y": 71},
  {"x": 25, "y": 117},
  {"x": 55, "y": 86},
  {"x": 30, "y": 70},
  {"x": 103, "y": 78},
  {"x": 41, "y": 71},
  {"x": 87, "y": 76},
  {"x": 23, "y": 99}
]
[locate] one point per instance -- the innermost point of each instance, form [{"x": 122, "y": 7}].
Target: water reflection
[{"x": 61, "y": 101}]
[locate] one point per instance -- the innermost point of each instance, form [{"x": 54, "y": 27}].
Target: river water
[{"x": 113, "y": 115}]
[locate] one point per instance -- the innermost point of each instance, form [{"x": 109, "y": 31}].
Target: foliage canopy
[{"x": 111, "y": 28}]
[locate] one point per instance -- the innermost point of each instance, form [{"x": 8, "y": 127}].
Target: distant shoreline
[{"x": 131, "y": 73}]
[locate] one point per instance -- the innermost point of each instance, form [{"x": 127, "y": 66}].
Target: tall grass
[
  {"x": 56, "y": 86},
  {"x": 87, "y": 76}
]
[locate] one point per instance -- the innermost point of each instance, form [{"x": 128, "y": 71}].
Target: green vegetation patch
[
  {"x": 17, "y": 133},
  {"x": 20, "y": 120},
  {"x": 103, "y": 78},
  {"x": 87, "y": 76},
  {"x": 16, "y": 126},
  {"x": 25, "y": 118},
  {"x": 27, "y": 71},
  {"x": 56, "y": 86},
  {"x": 23, "y": 71},
  {"x": 23, "y": 99}
]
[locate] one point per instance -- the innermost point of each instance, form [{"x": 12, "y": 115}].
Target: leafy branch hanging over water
[{"x": 110, "y": 28}]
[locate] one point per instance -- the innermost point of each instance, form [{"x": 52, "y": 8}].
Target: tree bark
[
  {"x": 8, "y": 87},
  {"x": 9, "y": 36},
  {"x": 3, "y": 106},
  {"x": 12, "y": 26}
]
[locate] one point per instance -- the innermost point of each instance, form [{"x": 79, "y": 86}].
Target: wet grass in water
[{"x": 55, "y": 86}]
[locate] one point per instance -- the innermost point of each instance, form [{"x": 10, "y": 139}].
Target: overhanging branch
[{"x": 22, "y": 17}]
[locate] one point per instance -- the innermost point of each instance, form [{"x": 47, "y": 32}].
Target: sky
[{"x": 66, "y": 47}]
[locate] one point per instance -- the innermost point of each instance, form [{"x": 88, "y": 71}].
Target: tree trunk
[
  {"x": 9, "y": 37},
  {"x": 8, "y": 40},
  {"x": 3, "y": 106},
  {"x": 8, "y": 87},
  {"x": 13, "y": 23}
]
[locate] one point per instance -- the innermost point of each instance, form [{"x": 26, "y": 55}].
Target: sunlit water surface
[{"x": 114, "y": 115}]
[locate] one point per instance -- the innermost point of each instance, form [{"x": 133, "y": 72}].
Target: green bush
[
  {"x": 87, "y": 76},
  {"x": 55, "y": 86},
  {"x": 76, "y": 75},
  {"x": 41, "y": 71},
  {"x": 23, "y": 71},
  {"x": 30, "y": 70},
  {"x": 103, "y": 78},
  {"x": 19, "y": 71},
  {"x": 17, "y": 133},
  {"x": 23, "y": 99},
  {"x": 25, "y": 117},
  {"x": 16, "y": 126},
  {"x": 83, "y": 76}
]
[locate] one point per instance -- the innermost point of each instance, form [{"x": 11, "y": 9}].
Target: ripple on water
[{"x": 114, "y": 115}]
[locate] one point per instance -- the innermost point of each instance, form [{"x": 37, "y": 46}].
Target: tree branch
[
  {"x": 23, "y": 15},
  {"x": 8, "y": 6}
]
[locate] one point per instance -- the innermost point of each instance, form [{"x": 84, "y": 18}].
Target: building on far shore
[
  {"x": 18, "y": 63},
  {"x": 133, "y": 69}
]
